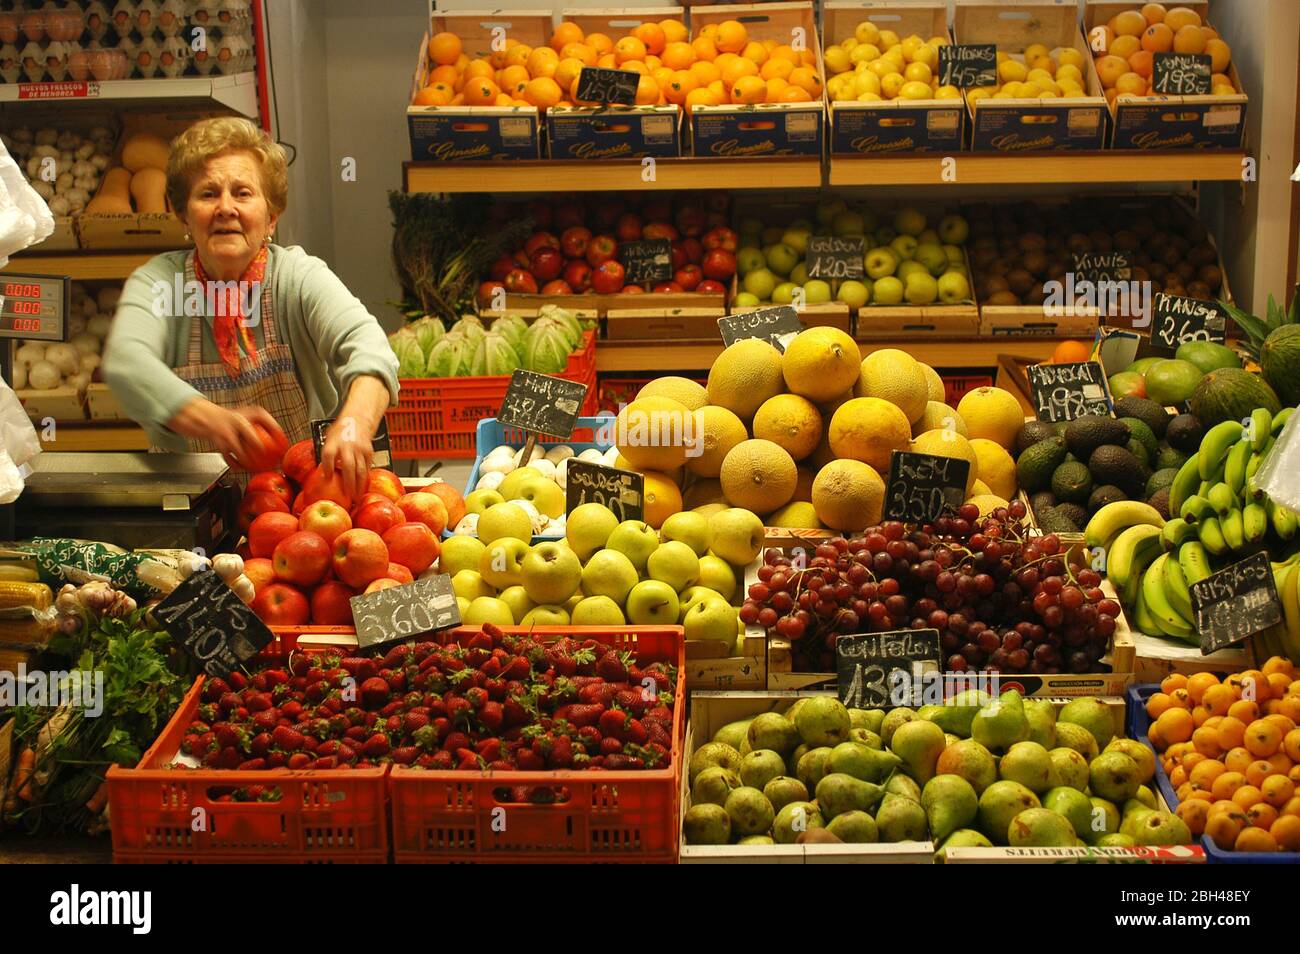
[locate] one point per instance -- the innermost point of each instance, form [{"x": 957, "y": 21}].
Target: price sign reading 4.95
[
  {"x": 34, "y": 307},
  {"x": 1178, "y": 319},
  {"x": 1238, "y": 601},
  {"x": 922, "y": 486},
  {"x": 400, "y": 612},
  {"x": 619, "y": 491},
  {"x": 542, "y": 404},
  {"x": 872, "y": 669},
  {"x": 1062, "y": 392}
]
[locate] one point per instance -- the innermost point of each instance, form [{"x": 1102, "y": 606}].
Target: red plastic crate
[
  {"x": 437, "y": 417},
  {"x": 617, "y": 817},
  {"x": 323, "y": 816}
]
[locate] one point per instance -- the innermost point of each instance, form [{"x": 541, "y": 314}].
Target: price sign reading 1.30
[{"x": 33, "y": 307}]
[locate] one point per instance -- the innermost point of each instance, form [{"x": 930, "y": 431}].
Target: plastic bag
[
  {"x": 19, "y": 444},
  {"x": 25, "y": 219},
  {"x": 1278, "y": 475}
]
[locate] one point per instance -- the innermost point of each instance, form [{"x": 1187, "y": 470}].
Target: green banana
[
  {"x": 1222, "y": 499},
  {"x": 1179, "y": 594},
  {"x": 1157, "y": 602},
  {"x": 1111, "y": 520},
  {"x": 1176, "y": 532},
  {"x": 1280, "y": 419},
  {"x": 1234, "y": 468},
  {"x": 1184, "y": 485},
  {"x": 1252, "y": 466},
  {"x": 1204, "y": 489},
  {"x": 1254, "y": 520},
  {"x": 1233, "y": 530},
  {"x": 1196, "y": 508},
  {"x": 1288, "y": 588},
  {"x": 1211, "y": 535},
  {"x": 1284, "y": 519},
  {"x": 1194, "y": 562},
  {"x": 1215, "y": 446},
  {"x": 1130, "y": 554},
  {"x": 1261, "y": 427},
  {"x": 1142, "y": 616}
]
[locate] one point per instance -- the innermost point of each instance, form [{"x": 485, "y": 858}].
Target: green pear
[
  {"x": 862, "y": 762},
  {"x": 893, "y": 720},
  {"x": 1070, "y": 768},
  {"x": 950, "y": 803},
  {"x": 1114, "y": 776},
  {"x": 711, "y": 754},
  {"x": 783, "y": 790},
  {"x": 1002, "y": 723},
  {"x": 901, "y": 819},
  {"x": 793, "y": 820},
  {"x": 854, "y": 827},
  {"x": 918, "y": 744},
  {"x": 904, "y": 786},
  {"x": 837, "y": 793},
  {"x": 812, "y": 767},
  {"x": 1074, "y": 806},
  {"x": 751, "y": 813},
  {"x": 1000, "y": 803},
  {"x": 756, "y": 840},
  {"x": 713, "y": 785},
  {"x": 1042, "y": 722},
  {"x": 1040, "y": 828},
  {"x": 867, "y": 738},
  {"x": 706, "y": 824},
  {"x": 956, "y": 714},
  {"x": 1144, "y": 757},
  {"x": 1071, "y": 736},
  {"x": 1029, "y": 764},
  {"x": 1133, "y": 820},
  {"x": 823, "y": 720},
  {"x": 870, "y": 719},
  {"x": 970, "y": 760},
  {"x": 1105, "y": 820},
  {"x": 792, "y": 760},
  {"x": 1093, "y": 714},
  {"x": 1116, "y": 840},
  {"x": 760, "y": 767},
  {"x": 1146, "y": 797},
  {"x": 733, "y": 733},
  {"x": 1162, "y": 828},
  {"x": 771, "y": 730},
  {"x": 962, "y": 838}
]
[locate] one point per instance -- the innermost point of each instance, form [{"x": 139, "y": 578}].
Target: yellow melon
[
  {"x": 848, "y": 495},
  {"x": 758, "y": 476},
  {"x": 869, "y": 429}
]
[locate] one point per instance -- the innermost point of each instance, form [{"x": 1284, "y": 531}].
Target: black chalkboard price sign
[
  {"x": 1062, "y": 392},
  {"x": 968, "y": 64},
  {"x": 621, "y": 491},
  {"x": 774, "y": 325},
  {"x": 400, "y": 612},
  {"x": 212, "y": 623},
  {"x": 867, "y": 664},
  {"x": 1102, "y": 267},
  {"x": 830, "y": 256},
  {"x": 1181, "y": 74},
  {"x": 1177, "y": 319},
  {"x": 382, "y": 446},
  {"x": 1238, "y": 601},
  {"x": 922, "y": 486},
  {"x": 646, "y": 261},
  {"x": 542, "y": 403},
  {"x": 614, "y": 87}
]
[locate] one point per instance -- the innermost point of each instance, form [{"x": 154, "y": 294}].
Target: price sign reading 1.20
[{"x": 33, "y": 307}]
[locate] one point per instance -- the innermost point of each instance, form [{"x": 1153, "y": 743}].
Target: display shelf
[
  {"x": 237, "y": 91},
  {"x": 1056, "y": 167},
  {"x": 80, "y": 266},
  {"x": 75, "y": 436},
  {"x": 612, "y": 175}
]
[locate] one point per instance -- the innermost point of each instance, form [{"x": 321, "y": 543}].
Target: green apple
[
  {"x": 549, "y": 615},
  {"x": 515, "y": 481},
  {"x": 652, "y": 603},
  {"x": 953, "y": 229},
  {"x": 955, "y": 255},
  {"x": 597, "y": 611},
  {"x": 953, "y": 287},
  {"x": 783, "y": 294},
  {"x": 816, "y": 292},
  {"x": 572, "y": 602},
  {"x": 745, "y": 300},
  {"x": 690, "y": 528},
  {"x": 904, "y": 245},
  {"x": 588, "y": 528},
  {"x": 535, "y": 487},
  {"x": 737, "y": 536},
  {"x": 479, "y": 501},
  {"x": 853, "y": 293},
  {"x": 462, "y": 606},
  {"x": 505, "y": 520},
  {"x": 675, "y": 563},
  {"x": 782, "y": 259},
  {"x": 909, "y": 221},
  {"x": 516, "y": 597},
  {"x": 929, "y": 236},
  {"x": 471, "y": 585},
  {"x": 908, "y": 268},
  {"x": 692, "y": 595},
  {"x": 887, "y": 291},
  {"x": 636, "y": 540},
  {"x": 488, "y": 609},
  {"x": 829, "y": 208},
  {"x": 885, "y": 234},
  {"x": 759, "y": 283},
  {"x": 848, "y": 223},
  {"x": 712, "y": 619},
  {"x": 749, "y": 259},
  {"x": 931, "y": 255},
  {"x": 880, "y": 262},
  {"x": 460, "y": 552},
  {"x": 717, "y": 574},
  {"x": 921, "y": 289},
  {"x": 499, "y": 562},
  {"x": 797, "y": 238},
  {"x": 800, "y": 273},
  {"x": 609, "y": 573},
  {"x": 551, "y": 573}
]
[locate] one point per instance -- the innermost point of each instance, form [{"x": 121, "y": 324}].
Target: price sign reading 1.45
[{"x": 34, "y": 307}]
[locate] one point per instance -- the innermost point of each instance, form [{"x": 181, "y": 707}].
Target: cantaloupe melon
[
  {"x": 758, "y": 476},
  {"x": 848, "y": 495},
  {"x": 745, "y": 375}
]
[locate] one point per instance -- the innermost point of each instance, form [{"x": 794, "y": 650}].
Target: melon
[
  {"x": 759, "y": 476},
  {"x": 1207, "y": 355},
  {"x": 1231, "y": 394},
  {"x": 1279, "y": 359}
]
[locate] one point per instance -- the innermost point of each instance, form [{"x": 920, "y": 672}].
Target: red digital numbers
[
  {"x": 26, "y": 308},
  {"x": 27, "y": 324},
  {"x": 14, "y": 290}
]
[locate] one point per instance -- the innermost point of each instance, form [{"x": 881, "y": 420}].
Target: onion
[
  {"x": 20, "y": 377},
  {"x": 86, "y": 343},
  {"x": 29, "y": 353},
  {"x": 89, "y": 362},
  {"x": 43, "y": 376},
  {"x": 490, "y": 480},
  {"x": 243, "y": 588},
  {"x": 64, "y": 357},
  {"x": 99, "y": 325}
]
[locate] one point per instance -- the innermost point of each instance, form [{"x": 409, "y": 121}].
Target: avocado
[
  {"x": 1145, "y": 410},
  {"x": 1185, "y": 433},
  {"x": 1160, "y": 480},
  {"x": 1035, "y": 466},
  {"x": 1104, "y": 494},
  {"x": 1085, "y": 434},
  {"x": 1140, "y": 432},
  {"x": 1138, "y": 450},
  {"x": 1071, "y": 482},
  {"x": 1074, "y": 513},
  {"x": 1169, "y": 458},
  {"x": 1042, "y": 500},
  {"x": 1160, "y": 500},
  {"x": 1030, "y": 434},
  {"x": 1117, "y": 465},
  {"x": 1053, "y": 521}
]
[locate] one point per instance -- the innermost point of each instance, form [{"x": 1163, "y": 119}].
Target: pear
[
  {"x": 854, "y": 827},
  {"x": 1116, "y": 840},
  {"x": 1105, "y": 820},
  {"x": 962, "y": 838},
  {"x": 794, "y": 819},
  {"x": 901, "y": 819},
  {"x": 869, "y": 719},
  {"x": 971, "y": 761},
  {"x": 900, "y": 784},
  {"x": 918, "y": 744},
  {"x": 823, "y": 720},
  {"x": 1162, "y": 828},
  {"x": 1071, "y": 736},
  {"x": 771, "y": 730},
  {"x": 793, "y": 712},
  {"x": 867, "y": 738},
  {"x": 733, "y": 733},
  {"x": 1114, "y": 776},
  {"x": 792, "y": 760},
  {"x": 1133, "y": 821},
  {"x": 1042, "y": 722},
  {"x": 893, "y": 720},
  {"x": 1146, "y": 796},
  {"x": 1094, "y": 715},
  {"x": 760, "y": 767},
  {"x": 706, "y": 824},
  {"x": 957, "y": 713},
  {"x": 783, "y": 790},
  {"x": 817, "y": 836},
  {"x": 812, "y": 767},
  {"x": 1070, "y": 767},
  {"x": 837, "y": 793},
  {"x": 1040, "y": 828},
  {"x": 950, "y": 803},
  {"x": 999, "y": 804},
  {"x": 1139, "y": 753},
  {"x": 710, "y": 754},
  {"x": 756, "y": 840},
  {"x": 1002, "y": 723},
  {"x": 713, "y": 785},
  {"x": 1029, "y": 764},
  {"x": 751, "y": 813},
  {"x": 1074, "y": 806},
  {"x": 862, "y": 762}
]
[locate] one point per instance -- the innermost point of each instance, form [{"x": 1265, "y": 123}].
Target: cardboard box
[
  {"x": 461, "y": 133},
  {"x": 770, "y": 129},
  {"x": 1030, "y": 125},
  {"x": 1172, "y": 122},
  {"x": 892, "y": 127}
]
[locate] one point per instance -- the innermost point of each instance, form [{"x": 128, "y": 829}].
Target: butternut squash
[
  {"x": 149, "y": 189},
  {"x": 114, "y": 196},
  {"x": 143, "y": 150}
]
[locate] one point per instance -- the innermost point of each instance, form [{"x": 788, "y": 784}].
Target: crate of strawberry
[{"x": 547, "y": 744}]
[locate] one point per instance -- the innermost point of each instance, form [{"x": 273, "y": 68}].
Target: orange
[
  {"x": 1292, "y": 745},
  {"x": 1153, "y": 12},
  {"x": 1226, "y": 785},
  {"x": 1176, "y": 725},
  {"x": 1179, "y": 17},
  {"x": 568, "y": 71},
  {"x": 1206, "y": 740},
  {"x": 705, "y": 48},
  {"x": 606, "y": 61},
  {"x": 807, "y": 79},
  {"x": 1204, "y": 774},
  {"x": 581, "y": 52},
  {"x": 653, "y": 62},
  {"x": 435, "y": 94},
  {"x": 1159, "y": 701},
  {"x": 705, "y": 72},
  {"x": 1247, "y": 795},
  {"x": 1065, "y": 353},
  {"x": 628, "y": 48},
  {"x": 1263, "y": 738},
  {"x": 718, "y": 90},
  {"x": 1286, "y": 832},
  {"x": 795, "y": 94},
  {"x": 1257, "y": 771},
  {"x": 1254, "y": 839},
  {"x": 732, "y": 36},
  {"x": 701, "y": 97},
  {"x": 543, "y": 92},
  {"x": 1182, "y": 699},
  {"x": 444, "y": 48},
  {"x": 566, "y": 33},
  {"x": 1130, "y": 23},
  {"x": 1194, "y": 813},
  {"x": 755, "y": 51},
  {"x": 503, "y": 99},
  {"x": 480, "y": 69},
  {"x": 481, "y": 92},
  {"x": 647, "y": 91},
  {"x": 678, "y": 56},
  {"x": 1245, "y": 711},
  {"x": 1125, "y": 46},
  {"x": 776, "y": 67},
  {"x": 724, "y": 60},
  {"x": 542, "y": 62},
  {"x": 444, "y": 74},
  {"x": 1225, "y": 827},
  {"x": 674, "y": 31},
  {"x": 785, "y": 52},
  {"x": 1153, "y": 733},
  {"x": 1238, "y": 759},
  {"x": 635, "y": 66},
  {"x": 652, "y": 35},
  {"x": 601, "y": 43},
  {"x": 775, "y": 87},
  {"x": 1158, "y": 38},
  {"x": 710, "y": 30},
  {"x": 519, "y": 54},
  {"x": 737, "y": 69},
  {"x": 663, "y": 76},
  {"x": 1175, "y": 680},
  {"x": 1189, "y": 39},
  {"x": 458, "y": 99},
  {"x": 682, "y": 84},
  {"x": 808, "y": 58},
  {"x": 749, "y": 90},
  {"x": 1197, "y": 684},
  {"x": 1278, "y": 790}
]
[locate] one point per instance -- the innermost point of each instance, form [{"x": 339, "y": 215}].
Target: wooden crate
[
  {"x": 932, "y": 321},
  {"x": 1157, "y": 657},
  {"x": 61, "y": 404},
  {"x": 103, "y": 404},
  {"x": 643, "y": 322}
]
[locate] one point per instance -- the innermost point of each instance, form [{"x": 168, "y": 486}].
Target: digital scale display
[{"x": 33, "y": 307}]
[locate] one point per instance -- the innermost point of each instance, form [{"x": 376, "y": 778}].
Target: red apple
[
  {"x": 667, "y": 288},
  {"x": 371, "y": 497},
  {"x": 378, "y": 516},
  {"x": 679, "y": 254},
  {"x": 272, "y": 445},
  {"x": 257, "y": 503},
  {"x": 322, "y": 486},
  {"x": 578, "y": 276},
  {"x": 299, "y": 504},
  {"x": 557, "y": 287},
  {"x": 385, "y": 482},
  {"x": 425, "y": 508},
  {"x": 546, "y": 264},
  {"x": 383, "y": 583},
  {"x": 451, "y": 500},
  {"x": 690, "y": 219},
  {"x": 694, "y": 250},
  {"x": 488, "y": 291},
  {"x": 521, "y": 282},
  {"x": 710, "y": 287},
  {"x": 567, "y": 216},
  {"x": 413, "y": 545},
  {"x": 331, "y": 604},
  {"x": 659, "y": 230},
  {"x": 261, "y": 571},
  {"x": 600, "y": 249},
  {"x": 657, "y": 208},
  {"x": 299, "y": 461},
  {"x": 540, "y": 240},
  {"x": 607, "y": 278},
  {"x": 398, "y": 572},
  {"x": 268, "y": 529},
  {"x": 271, "y": 481},
  {"x": 574, "y": 241},
  {"x": 688, "y": 276},
  {"x": 719, "y": 264},
  {"x": 359, "y": 557},
  {"x": 282, "y": 605},
  {"x": 627, "y": 229},
  {"x": 326, "y": 518},
  {"x": 632, "y": 290},
  {"x": 501, "y": 267},
  {"x": 721, "y": 237},
  {"x": 301, "y": 558}
]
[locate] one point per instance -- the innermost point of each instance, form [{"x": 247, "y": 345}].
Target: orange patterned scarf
[{"x": 228, "y": 322}]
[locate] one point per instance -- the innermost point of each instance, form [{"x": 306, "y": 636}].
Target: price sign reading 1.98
[{"x": 33, "y": 307}]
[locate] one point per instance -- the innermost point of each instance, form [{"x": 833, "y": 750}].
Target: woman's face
[{"x": 228, "y": 215}]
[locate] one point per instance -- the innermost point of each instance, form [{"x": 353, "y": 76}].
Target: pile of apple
[
  {"x": 311, "y": 547},
  {"x": 605, "y": 572},
  {"x": 537, "y": 488},
  {"x": 908, "y": 258},
  {"x": 574, "y": 249}
]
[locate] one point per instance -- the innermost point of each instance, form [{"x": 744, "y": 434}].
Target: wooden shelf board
[
  {"x": 80, "y": 266},
  {"x": 613, "y": 175},
  {"x": 1117, "y": 167},
  {"x": 73, "y": 436}
]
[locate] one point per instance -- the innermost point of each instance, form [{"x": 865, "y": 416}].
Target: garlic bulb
[
  {"x": 65, "y": 357},
  {"x": 43, "y": 376}
]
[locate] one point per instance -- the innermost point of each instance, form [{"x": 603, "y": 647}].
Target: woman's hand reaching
[{"x": 230, "y": 430}]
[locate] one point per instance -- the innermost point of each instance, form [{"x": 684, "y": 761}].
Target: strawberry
[
  {"x": 468, "y": 761},
  {"x": 288, "y": 739},
  {"x": 190, "y": 745},
  {"x": 325, "y": 762},
  {"x": 214, "y": 689},
  {"x": 228, "y": 758},
  {"x": 405, "y": 754},
  {"x": 291, "y": 709},
  {"x": 500, "y": 765},
  {"x": 483, "y": 639},
  {"x": 489, "y": 749},
  {"x": 580, "y": 715},
  {"x": 276, "y": 760},
  {"x": 610, "y": 746},
  {"x": 358, "y": 733},
  {"x": 491, "y": 715},
  {"x": 616, "y": 763},
  {"x": 413, "y": 722},
  {"x": 612, "y": 666},
  {"x": 633, "y": 700},
  {"x": 515, "y": 713},
  {"x": 529, "y": 761},
  {"x": 360, "y": 668},
  {"x": 491, "y": 667},
  {"x": 517, "y": 668},
  {"x": 252, "y": 765},
  {"x": 455, "y": 740},
  {"x": 396, "y": 656},
  {"x": 425, "y": 761},
  {"x": 237, "y": 681},
  {"x": 636, "y": 733},
  {"x": 589, "y": 737},
  {"x": 266, "y": 720},
  {"x": 496, "y": 689},
  {"x": 656, "y": 734},
  {"x": 229, "y": 736},
  {"x": 299, "y": 760},
  {"x": 561, "y": 756},
  {"x": 261, "y": 744},
  {"x": 613, "y": 722},
  {"x": 375, "y": 746},
  {"x": 346, "y": 754},
  {"x": 374, "y": 692},
  {"x": 228, "y": 702},
  {"x": 443, "y": 761},
  {"x": 328, "y": 747}
]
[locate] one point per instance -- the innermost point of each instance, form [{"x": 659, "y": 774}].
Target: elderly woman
[{"x": 238, "y": 332}]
